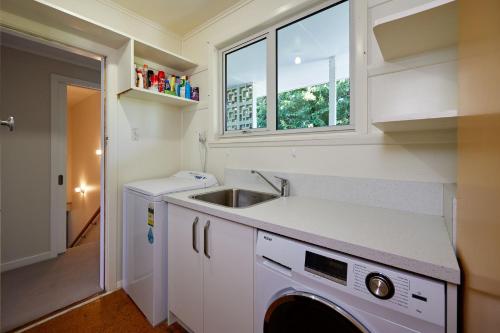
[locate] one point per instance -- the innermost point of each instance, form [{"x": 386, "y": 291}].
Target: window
[
  {"x": 245, "y": 87},
  {"x": 309, "y": 81}
]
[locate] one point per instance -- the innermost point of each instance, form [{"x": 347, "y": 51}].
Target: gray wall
[{"x": 25, "y": 153}]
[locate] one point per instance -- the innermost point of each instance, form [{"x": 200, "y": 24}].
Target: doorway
[{"x": 52, "y": 246}]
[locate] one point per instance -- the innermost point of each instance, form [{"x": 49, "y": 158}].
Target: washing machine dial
[{"x": 379, "y": 285}]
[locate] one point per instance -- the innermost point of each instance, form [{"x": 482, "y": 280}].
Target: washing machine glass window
[{"x": 295, "y": 312}]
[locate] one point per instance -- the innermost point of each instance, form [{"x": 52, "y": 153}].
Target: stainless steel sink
[{"x": 235, "y": 198}]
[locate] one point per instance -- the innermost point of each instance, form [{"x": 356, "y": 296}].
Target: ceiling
[
  {"x": 78, "y": 94},
  {"x": 179, "y": 17}
]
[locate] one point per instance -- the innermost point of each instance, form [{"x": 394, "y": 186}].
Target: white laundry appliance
[
  {"x": 304, "y": 288},
  {"x": 145, "y": 235}
]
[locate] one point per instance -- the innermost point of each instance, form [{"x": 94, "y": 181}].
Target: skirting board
[{"x": 7, "y": 266}]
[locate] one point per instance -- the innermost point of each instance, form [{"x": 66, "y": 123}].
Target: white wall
[
  {"x": 424, "y": 83},
  {"x": 83, "y": 165},
  {"x": 156, "y": 153},
  {"x": 25, "y": 94}
]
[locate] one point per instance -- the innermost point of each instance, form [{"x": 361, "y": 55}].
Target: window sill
[{"x": 334, "y": 139}]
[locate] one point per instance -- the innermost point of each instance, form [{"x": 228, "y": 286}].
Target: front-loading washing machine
[{"x": 300, "y": 287}]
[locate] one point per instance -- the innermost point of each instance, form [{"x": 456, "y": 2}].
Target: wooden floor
[{"x": 115, "y": 312}]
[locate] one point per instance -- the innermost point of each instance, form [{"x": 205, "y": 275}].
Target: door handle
[
  {"x": 205, "y": 239},
  {"x": 195, "y": 223},
  {"x": 10, "y": 123}
]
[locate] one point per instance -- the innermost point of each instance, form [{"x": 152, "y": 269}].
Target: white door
[
  {"x": 185, "y": 274},
  {"x": 228, "y": 260}
]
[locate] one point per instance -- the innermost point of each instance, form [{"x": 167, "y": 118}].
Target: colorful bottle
[
  {"x": 187, "y": 90},
  {"x": 145, "y": 76}
]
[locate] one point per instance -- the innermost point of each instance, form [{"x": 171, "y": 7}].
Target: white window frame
[{"x": 269, "y": 35}]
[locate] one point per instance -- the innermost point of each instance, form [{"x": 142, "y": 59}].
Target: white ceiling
[
  {"x": 78, "y": 94},
  {"x": 179, "y": 17}
]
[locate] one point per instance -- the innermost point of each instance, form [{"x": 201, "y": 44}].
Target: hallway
[{"x": 33, "y": 291}]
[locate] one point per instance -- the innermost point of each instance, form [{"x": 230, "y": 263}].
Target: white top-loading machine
[{"x": 145, "y": 230}]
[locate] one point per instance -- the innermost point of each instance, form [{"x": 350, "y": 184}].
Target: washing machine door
[{"x": 296, "y": 311}]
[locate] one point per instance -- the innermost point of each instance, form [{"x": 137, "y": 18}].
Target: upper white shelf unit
[
  {"x": 162, "y": 57},
  {"x": 417, "y": 122},
  {"x": 424, "y": 28},
  {"x": 152, "y": 56}
]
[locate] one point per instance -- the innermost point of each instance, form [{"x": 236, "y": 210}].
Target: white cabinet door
[
  {"x": 228, "y": 277},
  {"x": 185, "y": 273}
]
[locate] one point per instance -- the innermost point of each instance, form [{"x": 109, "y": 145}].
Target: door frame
[
  {"x": 58, "y": 156},
  {"x": 58, "y": 161},
  {"x": 109, "y": 60}
]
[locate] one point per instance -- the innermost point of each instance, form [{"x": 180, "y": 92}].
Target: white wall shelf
[
  {"x": 417, "y": 122},
  {"x": 431, "y": 26},
  {"x": 162, "y": 57},
  {"x": 148, "y": 95}
]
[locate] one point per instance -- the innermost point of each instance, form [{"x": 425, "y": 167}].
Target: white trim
[
  {"x": 7, "y": 266},
  {"x": 337, "y": 139},
  {"x": 58, "y": 156}
]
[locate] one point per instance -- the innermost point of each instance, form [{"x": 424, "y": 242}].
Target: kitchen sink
[{"x": 235, "y": 197}]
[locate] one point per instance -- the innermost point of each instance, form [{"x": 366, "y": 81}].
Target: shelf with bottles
[{"x": 149, "y": 73}]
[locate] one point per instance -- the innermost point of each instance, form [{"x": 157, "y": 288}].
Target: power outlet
[
  {"x": 134, "y": 134},
  {"x": 202, "y": 137}
]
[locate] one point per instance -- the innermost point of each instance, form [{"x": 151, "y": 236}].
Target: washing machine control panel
[{"x": 415, "y": 295}]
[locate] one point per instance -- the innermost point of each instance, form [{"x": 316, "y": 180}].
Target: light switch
[{"x": 134, "y": 134}]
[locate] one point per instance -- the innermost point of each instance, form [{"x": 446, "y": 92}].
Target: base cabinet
[{"x": 210, "y": 269}]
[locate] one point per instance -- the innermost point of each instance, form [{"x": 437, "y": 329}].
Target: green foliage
[
  {"x": 307, "y": 107},
  {"x": 262, "y": 112},
  {"x": 343, "y": 102}
]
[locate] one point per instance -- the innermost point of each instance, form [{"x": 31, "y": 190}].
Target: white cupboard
[{"x": 210, "y": 267}]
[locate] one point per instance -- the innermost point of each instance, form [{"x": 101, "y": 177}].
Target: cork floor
[{"x": 115, "y": 312}]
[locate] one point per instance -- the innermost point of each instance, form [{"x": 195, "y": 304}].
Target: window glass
[
  {"x": 245, "y": 87},
  {"x": 313, "y": 87}
]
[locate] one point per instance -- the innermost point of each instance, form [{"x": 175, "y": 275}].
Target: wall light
[
  {"x": 80, "y": 189},
  {"x": 98, "y": 152},
  {"x": 298, "y": 60}
]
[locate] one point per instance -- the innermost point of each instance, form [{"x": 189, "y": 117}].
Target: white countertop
[{"x": 414, "y": 242}]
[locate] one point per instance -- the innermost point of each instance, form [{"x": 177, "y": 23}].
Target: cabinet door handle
[
  {"x": 205, "y": 239},
  {"x": 195, "y": 223}
]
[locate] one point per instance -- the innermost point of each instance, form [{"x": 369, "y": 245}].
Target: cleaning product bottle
[
  {"x": 145, "y": 76},
  {"x": 187, "y": 89}
]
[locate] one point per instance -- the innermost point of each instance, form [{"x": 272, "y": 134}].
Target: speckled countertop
[{"x": 414, "y": 242}]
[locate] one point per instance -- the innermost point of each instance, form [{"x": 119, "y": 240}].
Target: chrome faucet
[{"x": 284, "y": 191}]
